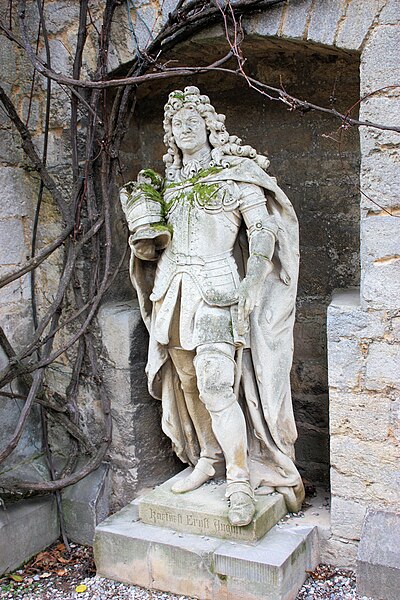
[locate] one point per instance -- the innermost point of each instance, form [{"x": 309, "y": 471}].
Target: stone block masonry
[
  {"x": 364, "y": 407},
  {"x": 363, "y": 340},
  {"x": 26, "y": 527},
  {"x": 140, "y": 453}
]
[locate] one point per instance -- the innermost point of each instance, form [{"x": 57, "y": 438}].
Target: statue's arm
[
  {"x": 261, "y": 231},
  {"x": 142, "y": 203}
]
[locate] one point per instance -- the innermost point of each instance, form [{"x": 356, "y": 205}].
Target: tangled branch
[{"x": 67, "y": 323}]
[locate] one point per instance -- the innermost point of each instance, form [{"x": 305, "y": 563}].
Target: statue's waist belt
[{"x": 183, "y": 259}]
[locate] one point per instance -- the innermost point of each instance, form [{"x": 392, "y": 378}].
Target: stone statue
[{"x": 215, "y": 265}]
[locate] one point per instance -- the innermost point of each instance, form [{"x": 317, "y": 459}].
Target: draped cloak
[{"x": 265, "y": 394}]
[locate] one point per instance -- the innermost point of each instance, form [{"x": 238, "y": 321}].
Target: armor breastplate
[
  {"x": 198, "y": 232},
  {"x": 204, "y": 234}
]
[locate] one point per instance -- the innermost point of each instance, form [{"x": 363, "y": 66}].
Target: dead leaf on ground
[
  {"x": 63, "y": 560},
  {"x": 43, "y": 557}
]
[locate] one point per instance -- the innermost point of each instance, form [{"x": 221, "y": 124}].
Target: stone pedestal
[
  {"x": 196, "y": 562},
  {"x": 205, "y": 511}
]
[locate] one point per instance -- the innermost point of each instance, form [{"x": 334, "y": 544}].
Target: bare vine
[{"x": 68, "y": 320}]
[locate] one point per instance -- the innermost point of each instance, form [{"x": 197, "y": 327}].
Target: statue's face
[{"x": 189, "y": 130}]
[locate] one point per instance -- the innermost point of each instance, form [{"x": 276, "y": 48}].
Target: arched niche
[{"x": 316, "y": 164}]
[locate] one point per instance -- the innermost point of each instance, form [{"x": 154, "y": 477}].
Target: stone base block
[
  {"x": 86, "y": 504},
  {"x": 26, "y": 527},
  {"x": 378, "y": 560},
  {"x": 208, "y": 568},
  {"x": 205, "y": 511}
]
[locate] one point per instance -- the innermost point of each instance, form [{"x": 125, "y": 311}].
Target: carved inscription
[
  {"x": 190, "y": 522},
  {"x": 163, "y": 517}
]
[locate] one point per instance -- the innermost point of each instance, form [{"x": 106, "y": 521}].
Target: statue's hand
[
  {"x": 145, "y": 250},
  {"x": 258, "y": 268},
  {"x": 248, "y": 291}
]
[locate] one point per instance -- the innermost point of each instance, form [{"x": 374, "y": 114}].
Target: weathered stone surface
[
  {"x": 365, "y": 471},
  {"x": 154, "y": 557},
  {"x": 273, "y": 568},
  {"x": 382, "y": 365},
  {"x": 379, "y": 178},
  {"x": 12, "y": 293},
  {"x": 360, "y": 14},
  {"x": 354, "y": 487},
  {"x": 347, "y": 319},
  {"x": 363, "y": 415},
  {"x": 61, "y": 60},
  {"x": 205, "y": 567},
  {"x": 383, "y": 109},
  {"x": 9, "y": 63},
  {"x": 380, "y": 285},
  {"x": 380, "y": 239},
  {"x": 346, "y": 361},
  {"x": 205, "y": 511},
  {"x": 145, "y": 24},
  {"x": 347, "y": 517},
  {"x": 61, "y": 15},
  {"x": 140, "y": 453},
  {"x": 324, "y": 21},
  {"x": 296, "y": 19},
  {"x": 340, "y": 552},
  {"x": 378, "y": 559},
  {"x": 12, "y": 246},
  {"x": 26, "y": 527},
  {"x": 265, "y": 23},
  {"x": 26, "y": 462},
  {"x": 16, "y": 192},
  {"x": 380, "y": 59},
  {"x": 312, "y": 445},
  {"x": 118, "y": 321},
  {"x": 85, "y": 504},
  {"x": 390, "y": 13},
  {"x": 16, "y": 321}
]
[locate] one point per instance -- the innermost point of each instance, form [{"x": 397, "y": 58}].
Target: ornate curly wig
[{"x": 222, "y": 143}]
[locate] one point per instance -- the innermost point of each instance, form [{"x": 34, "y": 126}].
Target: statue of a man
[{"x": 215, "y": 266}]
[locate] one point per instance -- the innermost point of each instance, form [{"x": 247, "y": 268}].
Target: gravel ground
[{"x": 56, "y": 574}]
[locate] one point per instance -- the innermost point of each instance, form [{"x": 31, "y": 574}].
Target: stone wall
[
  {"x": 18, "y": 188},
  {"x": 316, "y": 45},
  {"x": 364, "y": 330}
]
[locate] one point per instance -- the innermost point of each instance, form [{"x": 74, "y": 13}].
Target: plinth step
[
  {"x": 206, "y": 567},
  {"x": 205, "y": 511}
]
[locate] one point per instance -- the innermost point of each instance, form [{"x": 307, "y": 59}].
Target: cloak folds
[{"x": 265, "y": 394}]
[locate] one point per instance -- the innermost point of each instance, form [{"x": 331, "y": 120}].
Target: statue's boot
[
  {"x": 196, "y": 479},
  {"x": 242, "y": 509}
]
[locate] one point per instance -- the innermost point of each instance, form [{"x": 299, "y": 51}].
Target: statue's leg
[
  {"x": 215, "y": 371},
  {"x": 211, "y": 457}
]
